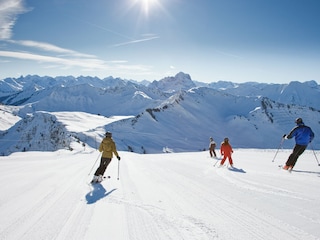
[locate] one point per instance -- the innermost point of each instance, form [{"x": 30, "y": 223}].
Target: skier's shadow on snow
[
  {"x": 97, "y": 193},
  {"x": 239, "y": 170},
  {"x": 311, "y": 172}
]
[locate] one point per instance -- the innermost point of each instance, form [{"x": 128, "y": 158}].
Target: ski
[
  {"x": 281, "y": 168},
  {"x": 220, "y": 166},
  {"x": 218, "y": 160},
  {"x": 103, "y": 178}
]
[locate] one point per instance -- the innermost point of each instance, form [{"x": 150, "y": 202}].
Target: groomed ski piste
[{"x": 46, "y": 195}]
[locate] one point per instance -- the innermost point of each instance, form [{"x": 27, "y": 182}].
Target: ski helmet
[
  {"x": 108, "y": 134},
  {"x": 226, "y": 140},
  {"x": 298, "y": 121}
]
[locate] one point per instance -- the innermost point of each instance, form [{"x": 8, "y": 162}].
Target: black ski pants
[
  {"x": 297, "y": 151},
  {"x": 104, "y": 162}
]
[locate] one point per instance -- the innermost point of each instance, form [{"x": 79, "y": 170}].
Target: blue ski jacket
[{"x": 303, "y": 134}]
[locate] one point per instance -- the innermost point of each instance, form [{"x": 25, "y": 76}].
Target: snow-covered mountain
[
  {"x": 186, "y": 121},
  {"x": 173, "y": 113},
  {"x": 179, "y": 82},
  {"x": 303, "y": 94}
]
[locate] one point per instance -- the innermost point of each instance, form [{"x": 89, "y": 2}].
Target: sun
[
  {"x": 147, "y": 5},
  {"x": 147, "y": 8}
]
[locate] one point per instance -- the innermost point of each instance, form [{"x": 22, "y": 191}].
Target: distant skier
[
  {"x": 108, "y": 148},
  {"x": 226, "y": 150},
  {"x": 303, "y": 136},
  {"x": 212, "y": 146}
]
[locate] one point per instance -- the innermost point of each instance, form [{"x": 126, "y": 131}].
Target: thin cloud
[
  {"x": 103, "y": 28},
  {"x": 118, "y": 61},
  {"x": 89, "y": 62},
  {"x": 135, "y": 41},
  {"x": 62, "y": 58},
  {"x": 9, "y": 11},
  {"x": 86, "y": 64},
  {"x": 50, "y": 48},
  {"x": 56, "y": 55},
  {"x": 228, "y": 54}
]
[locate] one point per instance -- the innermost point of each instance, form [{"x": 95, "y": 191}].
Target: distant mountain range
[{"x": 172, "y": 114}]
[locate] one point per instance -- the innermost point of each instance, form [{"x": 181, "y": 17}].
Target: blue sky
[{"x": 272, "y": 41}]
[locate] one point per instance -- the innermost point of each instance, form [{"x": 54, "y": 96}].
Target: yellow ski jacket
[{"x": 108, "y": 147}]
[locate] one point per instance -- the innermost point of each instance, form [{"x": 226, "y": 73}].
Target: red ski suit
[{"x": 226, "y": 151}]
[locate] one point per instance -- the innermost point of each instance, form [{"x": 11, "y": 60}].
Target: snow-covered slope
[
  {"x": 125, "y": 100},
  {"x": 179, "y": 196},
  {"x": 50, "y": 131},
  {"x": 8, "y": 116},
  {"x": 297, "y": 93},
  {"x": 171, "y": 113},
  {"x": 186, "y": 122},
  {"x": 28, "y": 135}
]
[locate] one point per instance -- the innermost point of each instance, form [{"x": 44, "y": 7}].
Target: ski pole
[
  {"x": 315, "y": 154},
  {"x": 216, "y": 162},
  {"x": 218, "y": 159},
  {"x": 94, "y": 164},
  {"x": 118, "y": 168},
  {"x": 282, "y": 139}
]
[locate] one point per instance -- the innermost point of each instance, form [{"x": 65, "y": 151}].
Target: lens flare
[{"x": 147, "y": 5}]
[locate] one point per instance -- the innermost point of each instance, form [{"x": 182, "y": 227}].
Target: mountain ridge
[{"x": 175, "y": 113}]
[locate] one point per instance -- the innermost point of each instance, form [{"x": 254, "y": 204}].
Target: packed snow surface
[{"x": 46, "y": 195}]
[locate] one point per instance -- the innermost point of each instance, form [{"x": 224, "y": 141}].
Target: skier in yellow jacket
[{"x": 108, "y": 148}]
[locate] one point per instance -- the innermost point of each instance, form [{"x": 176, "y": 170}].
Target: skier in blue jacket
[{"x": 303, "y": 136}]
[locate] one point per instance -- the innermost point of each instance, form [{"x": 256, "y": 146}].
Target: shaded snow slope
[
  {"x": 86, "y": 98},
  {"x": 187, "y": 120},
  {"x": 45, "y": 195},
  {"x": 45, "y": 131},
  {"x": 178, "y": 124}
]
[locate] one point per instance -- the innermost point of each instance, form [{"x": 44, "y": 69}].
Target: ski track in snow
[
  {"x": 158, "y": 197},
  {"x": 44, "y": 206},
  {"x": 155, "y": 221},
  {"x": 258, "y": 187}
]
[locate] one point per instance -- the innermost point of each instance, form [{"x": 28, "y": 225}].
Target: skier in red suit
[{"x": 226, "y": 151}]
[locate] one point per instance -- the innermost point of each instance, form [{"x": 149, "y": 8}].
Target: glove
[
  {"x": 284, "y": 136},
  {"x": 118, "y": 158}
]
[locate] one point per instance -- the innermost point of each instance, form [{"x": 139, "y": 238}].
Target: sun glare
[
  {"x": 147, "y": 8},
  {"x": 147, "y": 5}
]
